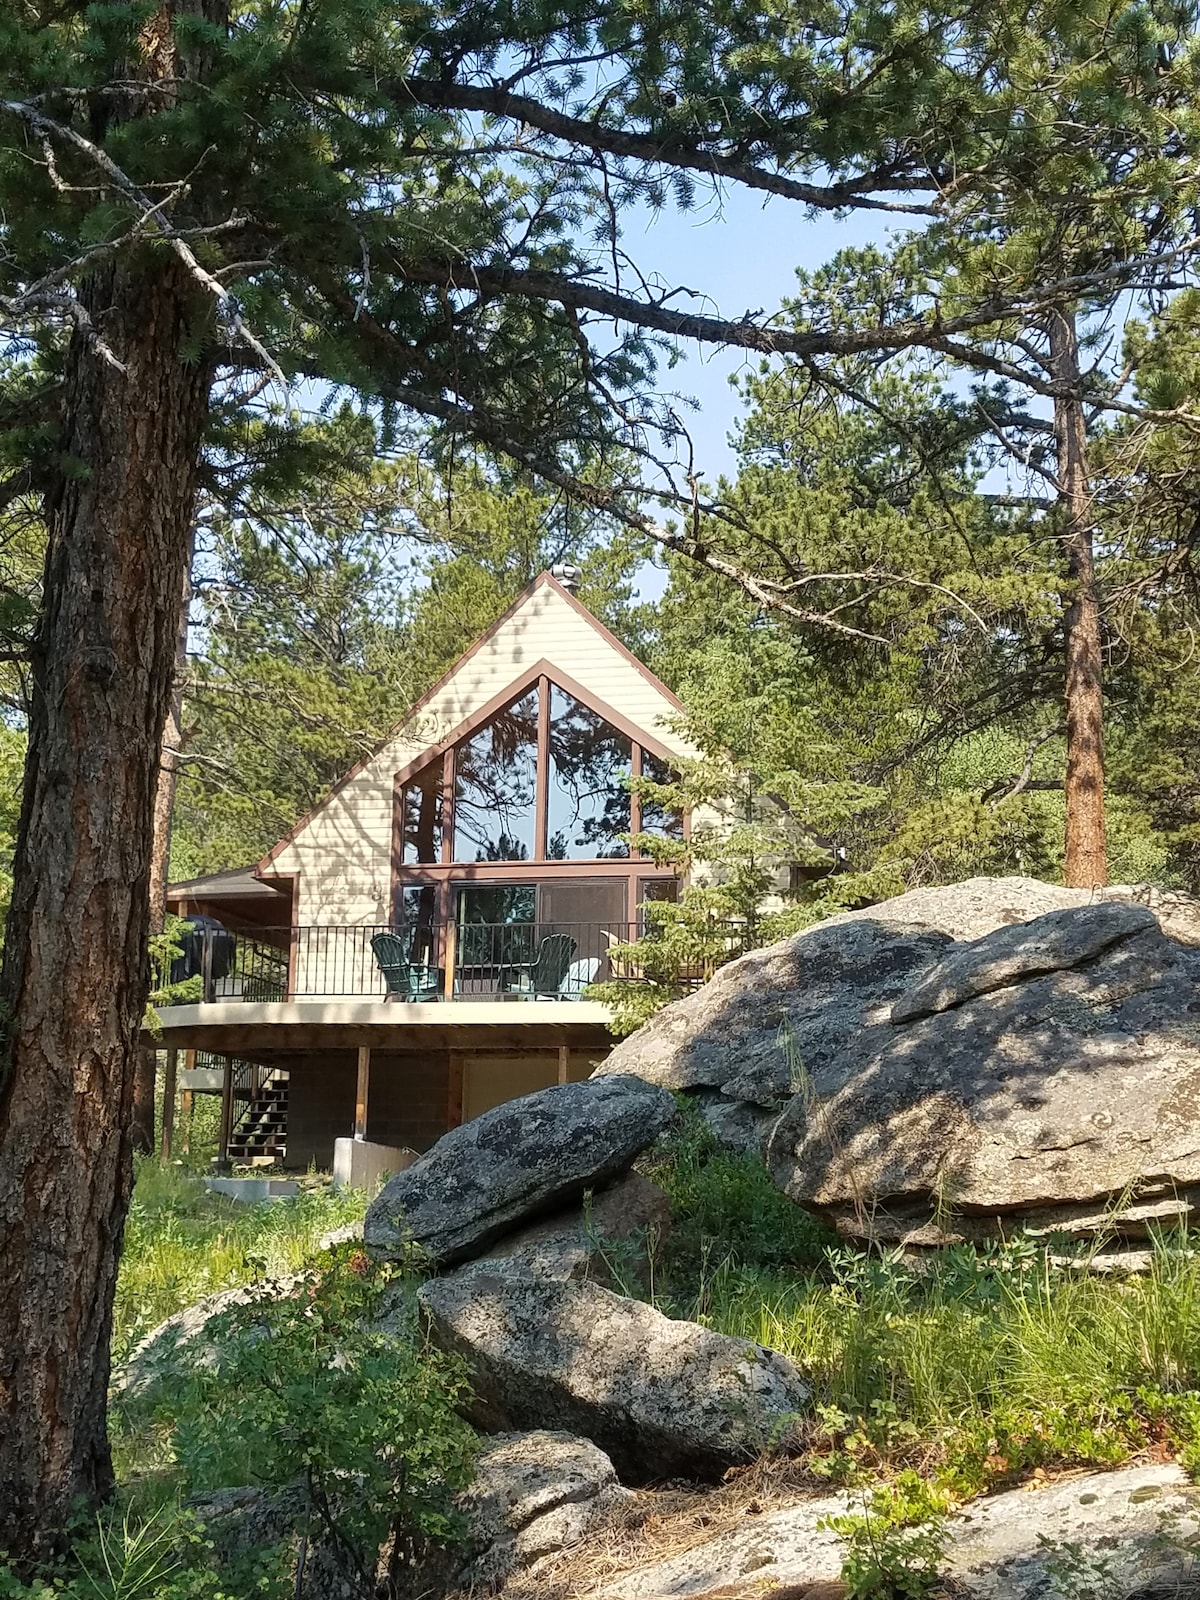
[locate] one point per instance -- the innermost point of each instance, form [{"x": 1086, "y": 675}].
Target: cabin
[{"x": 421, "y": 946}]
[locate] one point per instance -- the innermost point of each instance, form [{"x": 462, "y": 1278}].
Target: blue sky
[{"x": 742, "y": 254}]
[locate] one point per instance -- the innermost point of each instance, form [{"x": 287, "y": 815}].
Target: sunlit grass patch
[
  {"x": 975, "y": 1367},
  {"x": 182, "y": 1243}
]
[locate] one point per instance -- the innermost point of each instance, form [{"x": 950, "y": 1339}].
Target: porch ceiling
[{"x": 230, "y": 1027}]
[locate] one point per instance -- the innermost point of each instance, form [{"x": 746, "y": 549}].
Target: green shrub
[
  {"x": 725, "y": 1209},
  {"x": 182, "y": 1243},
  {"x": 120, "y": 1555},
  {"x": 896, "y": 1545},
  {"x": 316, "y": 1391}
]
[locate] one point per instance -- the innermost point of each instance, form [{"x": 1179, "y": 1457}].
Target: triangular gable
[{"x": 545, "y": 631}]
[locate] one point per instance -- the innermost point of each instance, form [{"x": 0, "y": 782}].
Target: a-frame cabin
[{"x": 420, "y": 945}]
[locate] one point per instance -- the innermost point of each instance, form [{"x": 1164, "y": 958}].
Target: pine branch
[
  {"x": 933, "y": 333},
  {"x": 997, "y": 794},
  {"x": 668, "y": 149},
  {"x": 151, "y": 219}
]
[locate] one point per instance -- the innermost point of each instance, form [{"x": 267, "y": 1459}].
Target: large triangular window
[{"x": 504, "y": 810}]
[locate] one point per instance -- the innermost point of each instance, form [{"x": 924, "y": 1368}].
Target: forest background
[{"x": 338, "y": 574}]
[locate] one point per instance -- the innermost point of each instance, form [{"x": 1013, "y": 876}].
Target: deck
[
  {"x": 241, "y": 1027},
  {"x": 388, "y": 1034}
]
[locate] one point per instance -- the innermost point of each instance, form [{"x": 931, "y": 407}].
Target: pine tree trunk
[
  {"x": 1085, "y": 863},
  {"x": 160, "y": 853},
  {"x": 168, "y": 775},
  {"x": 75, "y": 973}
]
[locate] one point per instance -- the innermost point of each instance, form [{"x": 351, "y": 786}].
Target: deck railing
[{"x": 556, "y": 961}]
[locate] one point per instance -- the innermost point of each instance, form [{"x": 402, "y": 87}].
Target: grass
[
  {"x": 931, "y": 1383},
  {"x": 978, "y": 1368},
  {"x": 974, "y": 1368},
  {"x": 182, "y": 1243}
]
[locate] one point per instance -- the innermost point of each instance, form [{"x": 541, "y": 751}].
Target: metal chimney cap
[{"x": 569, "y": 576}]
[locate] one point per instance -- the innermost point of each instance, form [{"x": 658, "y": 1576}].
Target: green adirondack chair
[
  {"x": 402, "y": 977},
  {"x": 546, "y": 972}
]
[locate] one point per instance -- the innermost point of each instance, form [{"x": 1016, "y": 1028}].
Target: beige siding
[{"x": 343, "y": 853}]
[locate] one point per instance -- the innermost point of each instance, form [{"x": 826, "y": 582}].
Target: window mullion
[
  {"x": 542, "y": 776},
  {"x": 448, "y": 807},
  {"x": 635, "y": 799}
]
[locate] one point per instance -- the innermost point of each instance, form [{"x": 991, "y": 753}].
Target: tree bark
[
  {"x": 75, "y": 973},
  {"x": 1085, "y": 860},
  {"x": 168, "y": 775},
  {"x": 160, "y": 851}
]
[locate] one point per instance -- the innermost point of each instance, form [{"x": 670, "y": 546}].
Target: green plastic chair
[
  {"x": 545, "y": 975},
  {"x": 400, "y": 975}
]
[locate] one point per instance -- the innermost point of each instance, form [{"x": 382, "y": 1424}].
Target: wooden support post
[
  {"x": 209, "y": 990},
  {"x": 451, "y": 949},
  {"x": 564, "y": 1062},
  {"x": 170, "y": 1077},
  {"x": 187, "y": 1103},
  {"x": 226, "y": 1112},
  {"x": 454, "y": 1098},
  {"x": 364, "y": 1084}
]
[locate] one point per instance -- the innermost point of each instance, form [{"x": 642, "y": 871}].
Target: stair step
[{"x": 261, "y": 1130}]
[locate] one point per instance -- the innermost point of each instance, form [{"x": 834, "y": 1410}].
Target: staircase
[{"x": 260, "y": 1133}]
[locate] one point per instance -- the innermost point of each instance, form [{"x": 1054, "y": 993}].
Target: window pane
[
  {"x": 495, "y": 785},
  {"x": 421, "y": 836},
  {"x": 496, "y": 924},
  {"x": 416, "y": 922},
  {"x": 588, "y": 802},
  {"x": 654, "y": 891},
  {"x": 657, "y": 818}
]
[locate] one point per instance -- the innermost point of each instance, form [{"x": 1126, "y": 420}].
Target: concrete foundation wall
[{"x": 362, "y": 1164}]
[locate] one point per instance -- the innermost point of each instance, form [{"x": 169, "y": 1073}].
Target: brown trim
[
  {"x": 397, "y": 859},
  {"x": 449, "y": 952},
  {"x": 454, "y": 1096},
  {"x": 465, "y": 872},
  {"x": 226, "y": 1112},
  {"x": 635, "y": 799},
  {"x": 543, "y": 580},
  {"x": 170, "y": 1077},
  {"x": 413, "y": 711},
  {"x": 618, "y": 719},
  {"x": 270, "y": 1042},
  {"x": 621, "y": 649},
  {"x": 541, "y": 777},
  {"x": 292, "y": 879},
  {"x": 515, "y": 690},
  {"x": 448, "y": 804}
]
